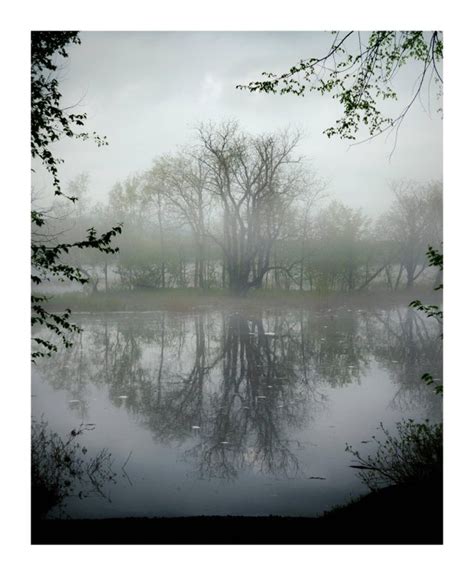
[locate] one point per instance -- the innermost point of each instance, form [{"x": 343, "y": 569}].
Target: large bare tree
[{"x": 255, "y": 180}]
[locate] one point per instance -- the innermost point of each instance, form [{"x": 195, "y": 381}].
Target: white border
[{"x": 244, "y": 15}]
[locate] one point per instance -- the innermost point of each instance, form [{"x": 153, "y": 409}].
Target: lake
[{"x": 235, "y": 412}]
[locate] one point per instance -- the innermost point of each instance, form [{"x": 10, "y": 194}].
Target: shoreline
[
  {"x": 187, "y": 300},
  {"x": 393, "y": 515}
]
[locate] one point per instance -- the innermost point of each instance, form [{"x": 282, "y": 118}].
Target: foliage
[
  {"x": 429, "y": 380},
  {"x": 60, "y": 469},
  {"x": 414, "y": 454},
  {"x": 435, "y": 258},
  {"x": 338, "y": 254},
  {"x": 358, "y": 74},
  {"x": 49, "y": 122},
  {"x": 47, "y": 262},
  {"x": 431, "y": 310}
]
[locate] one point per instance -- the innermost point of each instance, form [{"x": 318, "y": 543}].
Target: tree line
[{"x": 237, "y": 211}]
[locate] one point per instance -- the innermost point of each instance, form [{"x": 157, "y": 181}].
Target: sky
[{"x": 147, "y": 92}]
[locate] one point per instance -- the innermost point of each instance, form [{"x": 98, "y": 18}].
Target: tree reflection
[
  {"x": 408, "y": 344},
  {"x": 231, "y": 388},
  {"x": 251, "y": 405},
  {"x": 334, "y": 347}
]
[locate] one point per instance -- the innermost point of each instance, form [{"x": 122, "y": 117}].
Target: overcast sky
[{"x": 147, "y": 91}]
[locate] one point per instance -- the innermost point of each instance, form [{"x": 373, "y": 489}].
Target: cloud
[{"x": 210, "y": 91}]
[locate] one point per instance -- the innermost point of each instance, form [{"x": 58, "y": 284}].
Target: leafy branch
[
  {"x": 49, "y": 123},
  {"x": 47, "y": 263},
  {"x": 435, "y": 258},
  {"x": 359, "y": 76}
]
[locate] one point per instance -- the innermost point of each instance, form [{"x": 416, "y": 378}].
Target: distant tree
[
  {"x": 255, "y": 180},
  {"x": 341, "y": 230},
  {"x": 303, "y": 223},
  {"x": 180, "y": 183},
  {"x": 49, "y": 123},
  {"x": 126, "y": 200},
  {"x": 357, "y": 70},
  {"x": 413, "y": 222}
]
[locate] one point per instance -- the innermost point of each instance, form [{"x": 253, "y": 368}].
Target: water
[{"x": 234, "y": 413}]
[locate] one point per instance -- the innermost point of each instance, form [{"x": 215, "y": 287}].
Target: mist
[{"x": 236, "y": 312}]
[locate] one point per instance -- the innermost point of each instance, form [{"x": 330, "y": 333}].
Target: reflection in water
[
  {"x": 234, "y": 392},
  {"x": 251, "y": 402},
  {"x": 407, "y": 345}
]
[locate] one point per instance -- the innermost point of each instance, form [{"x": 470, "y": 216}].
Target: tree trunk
[
  {"x": 106, "y": 277},
  {"x": 196, "y": 272},
  {"x": 410, "y": 276}
]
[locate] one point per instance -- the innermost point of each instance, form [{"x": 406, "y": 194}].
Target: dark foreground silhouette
[{"x": 395, "y": 515}]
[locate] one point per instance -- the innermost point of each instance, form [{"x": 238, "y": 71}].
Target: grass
[{"x": 184, "y": 300}]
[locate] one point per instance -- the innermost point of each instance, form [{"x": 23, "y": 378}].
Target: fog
[{"x": 224, "y": 299}]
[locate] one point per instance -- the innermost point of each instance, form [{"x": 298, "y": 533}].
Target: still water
[{"x": 240, "y": 413}]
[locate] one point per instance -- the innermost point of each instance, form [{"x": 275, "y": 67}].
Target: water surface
[{"x": 243, "y": 413}]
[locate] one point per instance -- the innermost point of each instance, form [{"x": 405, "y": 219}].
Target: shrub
[
  {"x": 413, "y": 455},
  {"x": 59, "y": 468}
]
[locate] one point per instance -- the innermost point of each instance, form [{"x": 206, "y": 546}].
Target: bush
[
  {"x": 59, "y": 468},
  {"x": 413, "y": 455}
]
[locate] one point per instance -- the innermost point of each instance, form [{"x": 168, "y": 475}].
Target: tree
[
  {"x": 357, "y": 71},
  {"x": 181, "y": 182},
  {"x": 49, "y": 123},
  {"x": 359, "y": 74},
  {"x": 304, "y": 217},
  {"x": 413, "y": 222},
  {"x": 255, "y": 180},
  {"x": 340, "y": 232}
]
